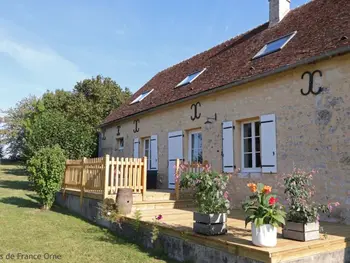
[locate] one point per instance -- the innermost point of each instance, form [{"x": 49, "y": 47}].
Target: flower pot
[
  {"x": 264, "y": 235},
  {"x": 210, "y": 224},
  {"x": 301, "y": 231}
]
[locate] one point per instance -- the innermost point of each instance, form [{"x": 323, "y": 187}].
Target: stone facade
[{"x": 313, "y": 131}]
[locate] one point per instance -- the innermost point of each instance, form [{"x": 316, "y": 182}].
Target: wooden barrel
[{"x": 124, "y": 200}]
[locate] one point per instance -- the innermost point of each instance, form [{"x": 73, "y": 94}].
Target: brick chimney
[{"x": 278, "y": 10}]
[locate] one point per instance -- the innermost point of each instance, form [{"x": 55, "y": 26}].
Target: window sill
[
  {"x": 250, "y": 174},
  {"x": 253, "y": 170}
]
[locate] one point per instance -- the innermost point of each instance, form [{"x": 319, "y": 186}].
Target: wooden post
[
  {"x": 144, "y": 178},
  {"x": 65, "y": 181},
  {"x": 117, "y": 174},
  {"x": 82, "y": 183},
  {"x": 112, "y": 176},
  {"x": 177, "y": 179},
  {"x": 106, "y": 176}
]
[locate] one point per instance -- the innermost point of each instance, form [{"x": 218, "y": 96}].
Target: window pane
[
  {"x": 257, "y": 144},
  {"x": 193, "y": 155},
  {"x": 257, "y": 128},
  {"x": 276, "y": 44},
  {"x": 193, "y": 136},
  {"x": 147, "y": 144},
  {"x": 247, "y": 127},
  {"x": 248, "y": 160},
  {"x": 200, "y": 149},
  {"x": 196, "y": 147},
  {"x": 247, "y": 145},
  {"x": 200, "y": 140},
  {"x": 121, "y": 142},
  {"x": 200, "y": 158},
  {"x": 258, "y": 160}
]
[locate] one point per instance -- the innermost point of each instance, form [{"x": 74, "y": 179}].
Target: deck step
[
  {"x": 162, "y": 204},
  {"x": 161, "y": 195}
]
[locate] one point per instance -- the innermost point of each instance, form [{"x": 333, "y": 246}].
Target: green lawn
[{"x": 25, "y": 229}]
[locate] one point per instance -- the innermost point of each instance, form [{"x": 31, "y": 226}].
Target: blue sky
[{"x": 53, "y": 44}]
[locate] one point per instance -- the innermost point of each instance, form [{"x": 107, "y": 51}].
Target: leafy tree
[
  {"x": 52, "y": 127},
  {"x": 68, "y": 118},
  {"x": 46, "y": 169},
  {"x": 96, "y": 97},
  {"x": 13, "y": 133}
]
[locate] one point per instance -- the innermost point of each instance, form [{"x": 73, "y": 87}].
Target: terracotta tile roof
[{"x": 321, "y": 25}]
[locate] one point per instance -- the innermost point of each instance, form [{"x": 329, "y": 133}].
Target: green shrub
[{"x": 46, "y": 170}]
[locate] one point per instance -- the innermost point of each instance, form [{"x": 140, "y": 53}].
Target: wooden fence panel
[{"x": 104, "y": 176}]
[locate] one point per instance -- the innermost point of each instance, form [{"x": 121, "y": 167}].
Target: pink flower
[
  {"x": 206, "y": 168},
  {"x": 159, "y": 217},
  {"x": 330, "y": 207},
  {"x": 226, "y": 195}
]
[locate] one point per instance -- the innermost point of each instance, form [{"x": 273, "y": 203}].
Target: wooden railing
[
  {"x": 191, "y": 167},
  {"x": 103, "y": 176}
]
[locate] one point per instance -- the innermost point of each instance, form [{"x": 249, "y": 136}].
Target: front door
[{"x": 175, "y": 151}]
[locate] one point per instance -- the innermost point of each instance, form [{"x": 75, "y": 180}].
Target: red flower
[
  {"x": 159, "y": 217},
  {"x": 272, "y": 200}
]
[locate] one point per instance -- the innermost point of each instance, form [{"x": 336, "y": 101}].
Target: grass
[{"x": 25, "y": 229}]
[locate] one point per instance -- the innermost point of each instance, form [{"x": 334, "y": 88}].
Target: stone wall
[{"x": 313, "y": 131}]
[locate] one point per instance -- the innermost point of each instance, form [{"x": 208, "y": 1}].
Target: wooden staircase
[{"x": 162, "y": 199}]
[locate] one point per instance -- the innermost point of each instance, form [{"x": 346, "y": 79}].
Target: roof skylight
[
  {"x": 190, "y": 78},
  {"x": 141, "y": 97},
  {"x": 275, "y": 45}
]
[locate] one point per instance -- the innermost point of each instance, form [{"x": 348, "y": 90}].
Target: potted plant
[
  {"x": 211, "y": 199},
  {"x": 264, "y": 214},
  {"x": 303, "y": 214}
]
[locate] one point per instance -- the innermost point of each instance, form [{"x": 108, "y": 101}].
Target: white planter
[{"x": 264, "y": 236}]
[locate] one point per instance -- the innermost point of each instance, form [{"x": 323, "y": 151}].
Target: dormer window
[
  {"x": 141, "y": 97},
  {"x": 275, "y": 45},
  {"x": 190, "y": 78}
]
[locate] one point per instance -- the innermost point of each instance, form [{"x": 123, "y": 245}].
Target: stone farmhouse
[{"x": 264, "y": 101}]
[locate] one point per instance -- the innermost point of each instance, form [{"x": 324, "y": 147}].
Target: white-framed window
[
  {"x": 142, "y": 96},
  {"x": 251, "y": 153},
  {"x": 190, "y": 78},
  {"x": 120, "y": 144},
  {"x": 275, "y": 45},
  {"x": 147, "y": 151},
  {"x": 195, "y": 151}
]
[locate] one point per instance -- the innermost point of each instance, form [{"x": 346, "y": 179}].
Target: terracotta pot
[{"x": 264, "y": 235}]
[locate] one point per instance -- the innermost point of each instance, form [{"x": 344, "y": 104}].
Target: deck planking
[{"x": 238, "y": 239}]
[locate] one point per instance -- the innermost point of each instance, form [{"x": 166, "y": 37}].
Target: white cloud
[{"x": 44, "y": 64}]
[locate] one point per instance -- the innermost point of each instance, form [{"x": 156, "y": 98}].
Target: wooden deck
[{"x": 178, "y": 222}]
